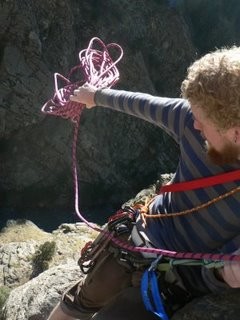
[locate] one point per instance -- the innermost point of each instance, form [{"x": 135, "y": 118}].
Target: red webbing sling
[{"x": 202, "y": 182}]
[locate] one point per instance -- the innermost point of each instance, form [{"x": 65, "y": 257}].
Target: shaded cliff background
[{"x": 117, "y": 155}]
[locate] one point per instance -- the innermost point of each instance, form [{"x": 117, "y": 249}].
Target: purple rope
[{"x": 99, "y": 70}]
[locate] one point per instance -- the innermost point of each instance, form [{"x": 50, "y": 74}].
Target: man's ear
[{"x": 235, "y": 135}]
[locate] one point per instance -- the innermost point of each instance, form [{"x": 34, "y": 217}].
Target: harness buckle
[
  {"x": 87, "y": 266},
  {"x": 122, "y": 221},
  {"x": 123, "y": 256}
]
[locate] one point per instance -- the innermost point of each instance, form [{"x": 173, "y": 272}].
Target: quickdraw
[
  {"x": 119, "y": 224},
  {"x": 90, "y": 253}
]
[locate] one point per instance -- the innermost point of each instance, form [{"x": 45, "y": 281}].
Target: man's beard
[{"x": 228, "y": 155}]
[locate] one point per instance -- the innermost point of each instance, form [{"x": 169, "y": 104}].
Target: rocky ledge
[{"x": 36, "y": 267}]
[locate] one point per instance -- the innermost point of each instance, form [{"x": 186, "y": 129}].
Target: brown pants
[{"x": 107, "y": 279}]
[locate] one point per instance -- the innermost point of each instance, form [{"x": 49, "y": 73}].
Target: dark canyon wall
[{"x": 117, "y": 155}]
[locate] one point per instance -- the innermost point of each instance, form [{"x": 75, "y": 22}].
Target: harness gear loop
[
  {"x": 91, "y": 251},
  {"x": 122, "y": 221},
  {"x": 119, "y": 224}
]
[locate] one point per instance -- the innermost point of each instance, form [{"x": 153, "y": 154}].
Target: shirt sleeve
[{"x": 170, "y": 114}]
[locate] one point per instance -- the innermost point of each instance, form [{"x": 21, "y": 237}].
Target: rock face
[
  {"x": 17, "y": 263},
  {"x": 14, "y": 262},
  {"x": 212, "y": 307},
  {"x": 34, "y": 296},
  {"x": 36, "y": 299},
  {"x": 117, "y": 155}
]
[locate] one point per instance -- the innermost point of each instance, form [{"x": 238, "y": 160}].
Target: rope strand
[{"x": 144, "y": 208}]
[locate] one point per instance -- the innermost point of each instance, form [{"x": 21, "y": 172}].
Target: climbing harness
[
  {"x": 121, "y": 224},
  {"x": 98, "y": 69},
  {"x": 91, "y": 251}
]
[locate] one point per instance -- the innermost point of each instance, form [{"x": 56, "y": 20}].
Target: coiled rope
[{"x": 98, "y": 69}]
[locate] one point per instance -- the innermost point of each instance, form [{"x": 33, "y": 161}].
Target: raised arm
[{"x": 170, "y": 114}]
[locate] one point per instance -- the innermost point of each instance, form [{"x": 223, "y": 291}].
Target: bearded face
[
  {"x": 223, "y": 146},
  {"x": 229, "y": 154}
]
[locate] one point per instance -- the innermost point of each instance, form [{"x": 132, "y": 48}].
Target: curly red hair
[{"x": 213, "y": 83}]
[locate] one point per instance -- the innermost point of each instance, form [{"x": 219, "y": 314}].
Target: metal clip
[
  {"x": 154, "y": 264},
  {"x": 123, "y": 256}
]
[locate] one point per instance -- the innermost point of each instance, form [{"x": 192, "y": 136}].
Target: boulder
[
  {"x": 128, "y": 306},
  {"x": 35, "y": 299},
  {"x": 26, "y": 250},
  {"x": 220, "y": 306}
]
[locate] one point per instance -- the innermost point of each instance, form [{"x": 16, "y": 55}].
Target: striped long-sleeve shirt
[{"x": 213, "y": 229}]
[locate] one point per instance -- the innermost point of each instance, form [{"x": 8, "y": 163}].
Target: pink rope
[{"x": 99, "y": 70}]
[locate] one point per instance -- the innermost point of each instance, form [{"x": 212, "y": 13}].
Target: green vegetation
[
  {"x": 4, "y": 293},
  {"x": 43, "y": 256}
]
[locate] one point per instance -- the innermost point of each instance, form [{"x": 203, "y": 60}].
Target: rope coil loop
[
  {"x": 96, "y": 68},
  {"x": 99, "y": 68}
]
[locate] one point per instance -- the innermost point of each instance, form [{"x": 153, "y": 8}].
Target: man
[{"x": 206, "y": 125}]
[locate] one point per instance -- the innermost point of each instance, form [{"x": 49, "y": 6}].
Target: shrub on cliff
[
  {"x": 43, "y": 256},
  {"x": 4, "y": 293}
]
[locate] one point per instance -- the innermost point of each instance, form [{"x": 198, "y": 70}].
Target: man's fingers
[
  {"x": 77, "y": 91},
  {"x": 85, "y": 95},
  {"x": 74, "y": 98},
  {"x": 231, "y": 274}
]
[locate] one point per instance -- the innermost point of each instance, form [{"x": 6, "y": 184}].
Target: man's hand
[
  {"x": 230, "y": 273},
  {"x": 85, "y": 95}
]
